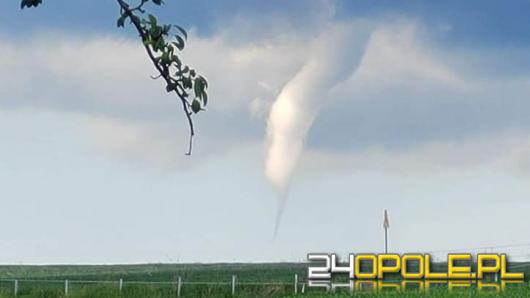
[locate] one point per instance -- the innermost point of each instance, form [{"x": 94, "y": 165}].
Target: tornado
[{"x": 334, "y": 56}]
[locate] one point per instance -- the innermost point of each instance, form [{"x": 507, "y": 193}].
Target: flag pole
[
  {"x": 386, "y": 225},
  {"x": 386, "y": 240}
]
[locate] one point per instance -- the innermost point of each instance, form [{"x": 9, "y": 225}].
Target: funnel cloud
[{"x": 335, "y": 55}]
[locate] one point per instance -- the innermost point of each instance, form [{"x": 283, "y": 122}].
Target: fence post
[
  {"x": 296, "y": 283},
  {"x": 16, "y": 287},
  {"x": 66, "y": 287},
  {"x": 121, "y": 284},
  {"x": 233, "y": 285},
  {"x": 179, "y": 286}
]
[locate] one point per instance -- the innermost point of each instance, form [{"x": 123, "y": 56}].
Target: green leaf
[
  {"x": 166, "y": 29},
  {"x": 205, "y": 98},
  {"x": 176, "y": 59},
  {"x": 152, "y": 20},
  {"x": 179, "y": 43},
  {"x": 195, "y": 106},
  {"x": 171, "y": 87},
  {"x": 121, "y": 21},
  {"x": 159, "y": 45},
  {"x": 30, "y": 3},
  {"x": 186, "y": 82},
  {"x": 165, "y": 58},
  {"x": 155, "y": 32},
  {"x": 182, "y": 31},
  {"x": 198, "y": 88}
]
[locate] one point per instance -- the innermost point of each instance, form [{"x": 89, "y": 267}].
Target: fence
[
  {"x": 179, "y": 283},
  {"x": 298, "y": 287}
]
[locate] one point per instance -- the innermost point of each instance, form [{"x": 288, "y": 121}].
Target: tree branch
[
  {"x": 139, "y": 7},
  {"x": 164, "y": 72}
]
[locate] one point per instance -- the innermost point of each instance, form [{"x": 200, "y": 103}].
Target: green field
[{"x": 207, "y": 280}]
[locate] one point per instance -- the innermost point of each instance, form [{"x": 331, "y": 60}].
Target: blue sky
[
  {"x": 418, "y": 107},
  {"x": 475, "y": 23}
]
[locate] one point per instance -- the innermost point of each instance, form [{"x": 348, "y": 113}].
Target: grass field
[{"x": 159, "y": 280}]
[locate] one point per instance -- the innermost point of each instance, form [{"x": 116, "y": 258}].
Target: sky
[{"x": 333, "y": 110}]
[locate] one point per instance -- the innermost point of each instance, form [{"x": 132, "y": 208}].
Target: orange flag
[{"x": 386, "y": 223}]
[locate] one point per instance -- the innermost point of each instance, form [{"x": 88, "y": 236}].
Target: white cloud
[
  {"x": 110, "y": 71},
  {"x": 395, "y": 55},
  {"x": 408, "y": 92},
  {"x": 107, "y": 79},
  {"x": 507, "y": 151}
]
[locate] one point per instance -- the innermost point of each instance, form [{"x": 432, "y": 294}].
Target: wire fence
[
  {"x": 297, "y": 286},
  {"x": 179, "y": 283}
]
